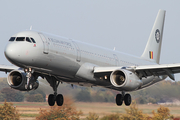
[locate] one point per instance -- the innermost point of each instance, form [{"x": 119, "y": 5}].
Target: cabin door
[
  {"x": 45, "y": 43},
  {"x": 78, "y": 57},
  {"x": 116, "y": 59}
]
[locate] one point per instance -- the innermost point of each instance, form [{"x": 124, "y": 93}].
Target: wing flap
[{"x": 158, "y": 70}]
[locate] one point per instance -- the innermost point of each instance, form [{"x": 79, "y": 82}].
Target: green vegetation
[
  {"x": 111, "y": 117},
  {"x": 69, "y": 112},
  {"x": 28, "y": 115},
  {"x": 163, "y": 113},
  {"x": 165, "y": 91},
  {"x": 8, "y": 112},
  {"x": 66, "y": 112},
  {"x": 12, "y": 95},
  {"x": 133, "y": 113},
  {"x": 92, "y": 116}
]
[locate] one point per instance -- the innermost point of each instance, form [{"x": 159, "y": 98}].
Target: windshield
[
  {"x": 33, "y": 40},
  {"x": 20, "y": 39},
  {"x": 28, "y": 39},
  {"x": 12, "y": 39}
]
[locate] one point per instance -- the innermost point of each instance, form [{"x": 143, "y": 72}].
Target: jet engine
[
  {"x": 17, "y": 80},
  {"x": 126, "y": 80}
]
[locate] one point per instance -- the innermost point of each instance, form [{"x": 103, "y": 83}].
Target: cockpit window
[
  {"x": 12, "y": 39},
  {"x": 33, "y": 40},
  {"x": 28, "y": 40},
  {"x": 20, "y": 39}
]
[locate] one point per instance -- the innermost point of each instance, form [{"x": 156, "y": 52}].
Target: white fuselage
[{"x": 62, "y": 57}]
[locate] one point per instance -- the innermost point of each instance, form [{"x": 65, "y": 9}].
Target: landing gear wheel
[
  {"x": 51, "y": 100},
  {"x": 59, "y": 99},
  {"x": 127, "y": 99},
  {"x": 119, "y": 99}
]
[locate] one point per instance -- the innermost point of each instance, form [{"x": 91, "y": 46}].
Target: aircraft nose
[{"x": 10, "y": 52}]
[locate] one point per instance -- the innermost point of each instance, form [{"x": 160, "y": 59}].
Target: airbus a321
[{"x": 59, "y": 59}]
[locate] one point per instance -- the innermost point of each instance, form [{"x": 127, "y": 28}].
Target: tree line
[
  {"x": 12, "y": 95},
  {"x": 165, "y": 91}
]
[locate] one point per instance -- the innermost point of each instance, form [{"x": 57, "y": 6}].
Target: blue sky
[{"x": 124, "y": 24}]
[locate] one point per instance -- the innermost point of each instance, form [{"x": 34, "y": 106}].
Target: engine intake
[
  {"x": 124, "y": 79},
  {"x": 17, "y": 80},
  {"x": 118, "y": 78}
]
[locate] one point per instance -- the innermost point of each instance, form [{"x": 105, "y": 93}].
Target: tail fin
[{"x": 153, "y": 48}]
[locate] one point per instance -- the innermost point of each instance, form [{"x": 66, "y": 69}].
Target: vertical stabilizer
[{"x": 153, "y": 47}]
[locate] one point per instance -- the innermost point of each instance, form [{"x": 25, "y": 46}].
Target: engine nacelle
[
  {"x": 17, "y": 80},
  {"x": 125, "y": 80}
]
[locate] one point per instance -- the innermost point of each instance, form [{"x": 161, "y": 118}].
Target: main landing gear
[
  {"x": 58, "y": 98},
  {"x": 123, "y": 97}
]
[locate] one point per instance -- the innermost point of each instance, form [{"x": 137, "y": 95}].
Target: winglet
[{"x": 153, "y": 48}]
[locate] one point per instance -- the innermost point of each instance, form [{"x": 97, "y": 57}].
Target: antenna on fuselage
[{"x": 30, "y": 27}]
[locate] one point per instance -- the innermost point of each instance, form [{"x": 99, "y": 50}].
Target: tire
[
  {"x": 59, "y": 100},
  {"x": 51, "y": 100},
  {"x": 127, "y": 99},
  {"x": 119, "y": 99}
]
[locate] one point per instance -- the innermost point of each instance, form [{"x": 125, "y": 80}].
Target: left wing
[
  {"x": 143, "y": 71},
  {"x": 7, "y": 68}
]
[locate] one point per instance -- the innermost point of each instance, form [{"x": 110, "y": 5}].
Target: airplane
[{"x": 60, "y": 59}]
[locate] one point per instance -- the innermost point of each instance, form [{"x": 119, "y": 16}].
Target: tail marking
[{"x": 151, "y": 54}]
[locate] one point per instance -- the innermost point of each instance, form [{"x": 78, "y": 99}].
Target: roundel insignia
[{"x": 157, "y": 35}]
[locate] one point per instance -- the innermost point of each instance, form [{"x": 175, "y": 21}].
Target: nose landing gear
[
  {"x": 123, "y": 97},
  {"x": 31, "y": 78}
]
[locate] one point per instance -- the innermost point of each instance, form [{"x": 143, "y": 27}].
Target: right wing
[
  {"x": 157, "y": 70},
  {"x": 143, "y": 71}
]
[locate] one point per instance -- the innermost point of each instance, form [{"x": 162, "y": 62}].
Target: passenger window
[
  {"x": 20, "y": 39},
  {"x": 12, "y": 39},
  {"x": 33, "y": 40},
  {"x": 28, "y": 40}
]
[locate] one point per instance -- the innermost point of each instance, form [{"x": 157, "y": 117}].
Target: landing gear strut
[
  {"x": 123, "y": 97},
  {"x": 29, "y": 75},
  {"x": 58, "y": 98}
]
